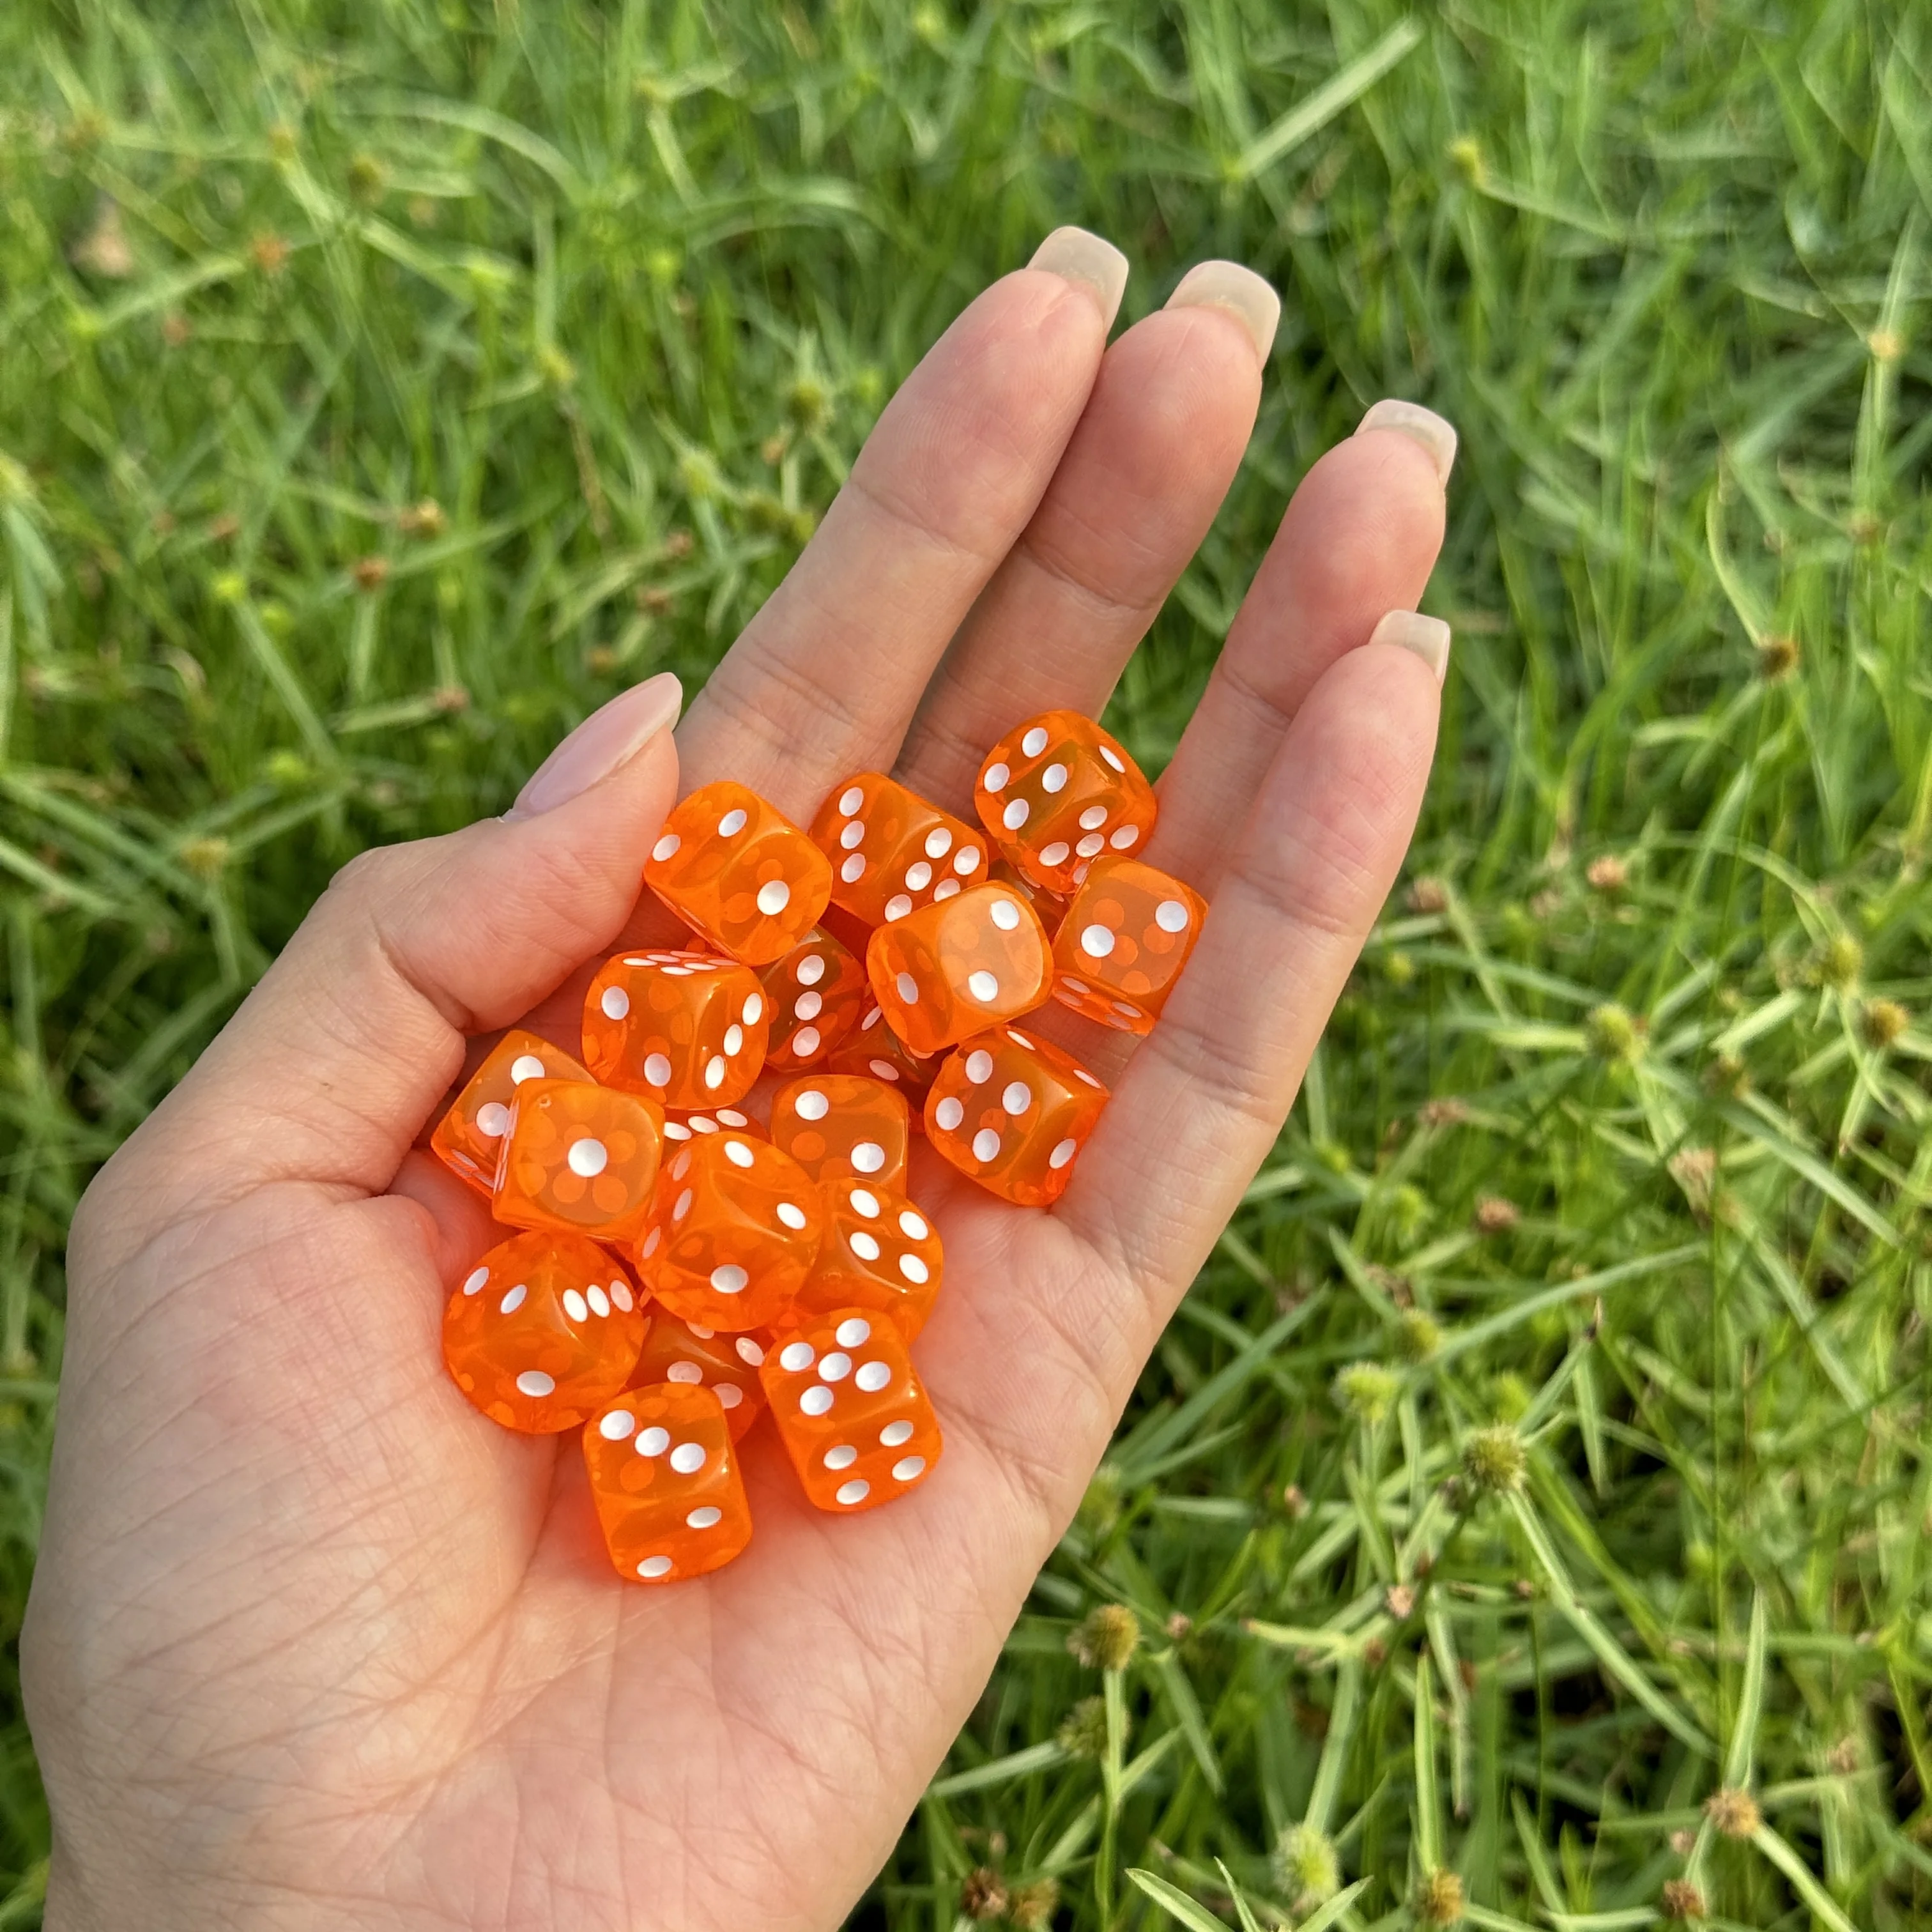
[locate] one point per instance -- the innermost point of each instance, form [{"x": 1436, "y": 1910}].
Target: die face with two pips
[
  {"x": 544, "y": 1330},
  {"x": 687, "y": 1029},
  {"x": 469, "y": 1139},
  {"x": 580, "y": 1159},
  {"x": 663, "y": 1476},
  {"x": 851, "y": 1410},
  {"x": 675, "y": 1351},
  {"x": 957, "y": 967},
  {"x": 836, "y": 1124},
  {"x": 815, "y": 995},
  {"x": 737, "y": 870},
  {"x": 1057, "y": 792},
  {"x": 1011, "y": 1111},
  {"x": 735, "y": 1231},
  {"x": 1126, "y": 936},
  {"x": 891, "y": 851},
  {"x": 880, "y": 1252}
]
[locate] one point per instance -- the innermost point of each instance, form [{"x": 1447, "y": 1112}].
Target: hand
[{"x": 310, "y": 1643}]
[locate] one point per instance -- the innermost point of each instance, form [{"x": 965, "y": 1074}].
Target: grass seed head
[
  {"x": 1494, "y": 1462},
  {"x": 1614, "y": 1034},
  {"x": 1494, "y": 1215},
  {"x": 1306, "y": 1866},
  {"x": 1438, "y": 1898},
  {"x": 1883, "y": 1021},
  {"x": 1608, "y": 873},
  {"x": 1106, "y": 1638},
  {"x": 1777, "y": 658},
  {"x": 1083, "y": 1731},
  {"x": 1733, "y": 1812},
  {"x": 1837, "y": 963},
  {"x": 1418, "y": 1335},
  {"x": 1681, "y": 1899},
  {"x": 1033, "y": 1905},
  {"x": 982, "y": 1894},
  {"x": 1366, "y": 1390},
  {"x": 1428, "y": 895}
]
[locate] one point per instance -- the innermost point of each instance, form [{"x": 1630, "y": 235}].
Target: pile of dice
[{"x": 876, "y": 964}]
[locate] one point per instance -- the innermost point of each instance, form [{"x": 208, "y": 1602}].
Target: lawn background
[{"x": 382, "y": 386}]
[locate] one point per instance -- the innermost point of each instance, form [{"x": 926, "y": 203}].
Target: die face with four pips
[
  {"x": 469, "y": 1139},
  {"x": 836, "y": 1124},
  {"x": 880, "y": 1252},
  {"x": 737, "y": 870},
  {"x": 892, "y": 851},
  {"x": 735, "y": 1231},
  {"x": 580, "y": 1159},
  {"x": 816, "y": 994},
  {"x": 956, "y": 967},
  {"x": 852, "y": 1413},
  {"x": 663, "y": 1476},
  {"x": 687, "y": 1029},
  {"x": 1057, "y": 792},
  {"x": 545, "y": 1329},
  {"x": 1011, "y": 1111},
  {"x": 1126, "y": 936}
]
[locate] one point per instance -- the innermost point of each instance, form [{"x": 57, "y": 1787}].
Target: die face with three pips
[{"x": 878, "y": 965}]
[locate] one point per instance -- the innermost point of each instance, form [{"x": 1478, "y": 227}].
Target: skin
[{"x": 310, "y": 1643}]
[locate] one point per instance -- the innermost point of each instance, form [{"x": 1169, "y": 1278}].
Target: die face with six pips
[{"x": 877, "y": 966}]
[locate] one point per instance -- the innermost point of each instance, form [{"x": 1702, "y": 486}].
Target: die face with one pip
[
  {"x": 1057, "y": 792},
  {"x": 852, "y": 1413},
  {"x": 891, "y": 852},
  {"x": 728, "y": 1365},
  {"x": 688, "y": 1029},
  {"x": 664, "y": 1478},
  {"x": 816, "y": 995},
  {"x": 1124, "y": 940},
  {"x": 580, "y": 1159},
  {"x": 543, "y": 1330},
  {"x": 469, "y": 1139},
  {"x": 735, "y": 1231},
  {"x": 835, "y": 1124},
  {"x": 738, "y": 871},
  {"x": 880, "y": 1252},
  {"x": 959, "y": 966},
  {"x": 1011, "y": 1112}
]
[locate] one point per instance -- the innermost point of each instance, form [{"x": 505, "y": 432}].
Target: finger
[
  {"x": 825, "y": 677},
  {"x": 1359, "y": 539},
  {"x": 353, "y": 1035},
  {"x": 1201, "y": 1103},
  {"x": 1146, "y": 468}
]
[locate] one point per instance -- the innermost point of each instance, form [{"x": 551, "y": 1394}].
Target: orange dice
[
  {"x": 688, "y": 1029},
  {"x": 727, "y": 1365},
  {"x": 834, "y": 1124},
  {"x": 738, "y": 871},
  {"x": 879, "y": 1251},
  {"x": 851, "y": 1412},
  {"x": 545, "y": 1329},
  {"x": 957, "y": 967},
  {"x": 1057, "y": 792},
  {"x": 579, "y": 1158},
  {"x": 665, "y": 1481},
  {"x": 1124, "y": 940},
  {"x": 468, "y": 1139},
  {"x": 875, "y": 1050},
  {"x": 686, "y": 1126},
  {"x": 890, "y": 851},
  {"x": 1011, "y": 1112},
  {"x": 816, "y": 995},
  {"x": 735, "y": 1231}
]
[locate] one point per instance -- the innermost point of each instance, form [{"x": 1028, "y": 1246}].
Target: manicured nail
[
  {"x": 1435, "y": 433},
  {"x": 1428, "y": 637},
  {"x": 1240, "y": 292},
  {"x": 1087, "y": 261},
  {"x": 611, "y": 736}
]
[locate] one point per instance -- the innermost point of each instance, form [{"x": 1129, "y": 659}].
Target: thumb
[{"x": 334, "y": 1061}]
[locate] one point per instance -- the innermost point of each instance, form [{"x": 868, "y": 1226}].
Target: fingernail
[
  {"x": 610, "y": 737},
  {"x": 1428, "y": 637},
  {"x": 1435, "y": 433},
  {"x": 1087, "y": 260},
  {"x": 1240, "y": 292}
]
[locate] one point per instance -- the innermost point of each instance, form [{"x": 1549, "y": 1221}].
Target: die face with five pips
[{"x": 877, "y": 966}]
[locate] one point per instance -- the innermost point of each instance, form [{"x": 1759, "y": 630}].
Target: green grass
[{"x": 1616, "y": 1139}]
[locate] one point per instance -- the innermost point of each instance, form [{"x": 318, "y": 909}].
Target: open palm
[{"x": 312, "y": 1642}]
